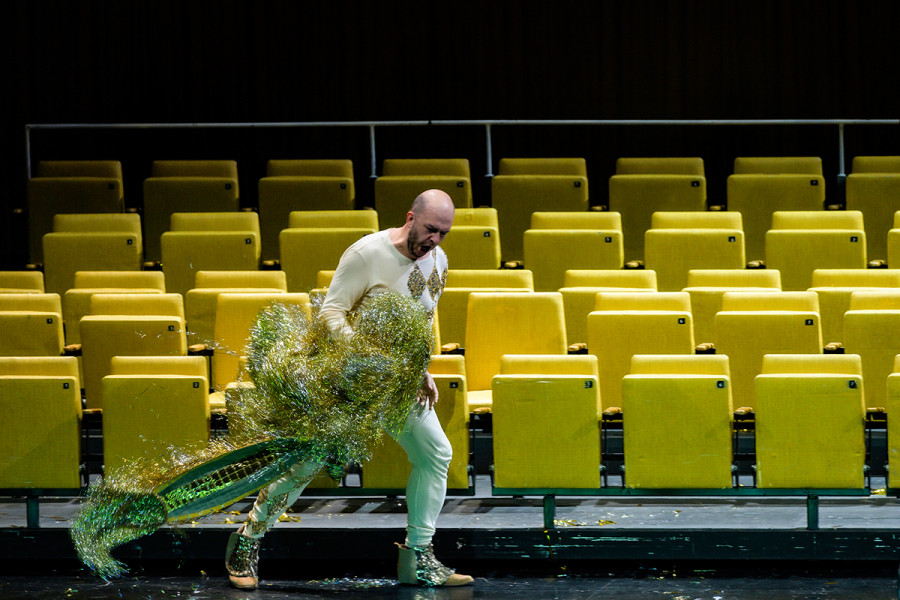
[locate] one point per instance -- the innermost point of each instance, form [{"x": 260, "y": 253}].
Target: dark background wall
[{"x": 235, "y": 61}]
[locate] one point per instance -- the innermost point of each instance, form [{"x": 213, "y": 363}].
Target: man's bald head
[
  {"x": 429, "y": 219},
  {"x": 436, "y": 200}
]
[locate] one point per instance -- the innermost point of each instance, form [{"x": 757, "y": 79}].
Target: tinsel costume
[{"x": 316, "y": 397}]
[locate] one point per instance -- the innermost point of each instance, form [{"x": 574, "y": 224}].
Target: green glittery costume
[{"x": 314, "y": 397}]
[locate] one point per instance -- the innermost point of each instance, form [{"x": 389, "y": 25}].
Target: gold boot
[
  {"x": 417, "y": 565},
  {"x": 242, "y": 561}
]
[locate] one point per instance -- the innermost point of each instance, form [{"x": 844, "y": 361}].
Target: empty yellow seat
[
  {"x": 627, "y": 323},
  {"x": 871, "y": 329},
  {"x": 677, "y": 422},
  {"x": 834, "y": 287},
  {"x": 516, "y": 197},
  {"x": 666, "y": 165},
  {"x": 680, "y": 241},
  {"x": 305, "y": 252},
  {"x": 580, "y": 289},
  {"x": 474, "y": 240},
  {"x": 454, "y": 302},
  {"x": 551, "y": 246},
  {"x": 790, "y": 453},
  {"x": 543, "y": 166},
  {"x": 17, "y": 282},
  {"x": 508, "y": 323},
  {"x": 546, "y": 415},
  {"x": 707, "y": 286},
  {"x": 40, "y": 407},
  {"x": 31, "y": 325},
  {"x": 753, "y": 324},
  {"x": 404, "y": 179}
]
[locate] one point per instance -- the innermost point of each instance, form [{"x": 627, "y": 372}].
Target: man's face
[{"x": 428, "y": 230}]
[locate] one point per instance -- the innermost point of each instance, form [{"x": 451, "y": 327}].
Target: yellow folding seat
[
  {"x": 40, "y": 407},
  {"x": 200, "y": 301},
  {"x": 454, "y": 303},
  {"x": 146, "y": 416},
  {"x": 707, "y": 286},
  {"x": 31, "y": 325},
  {"x": 753, "y": 324},
  {"x": 543, "y": 166},
  {"x": 873, "y": 187},
  {"x": 790, "y": 453},
  {"x": 677, "y": 422},
  {"x": 90, "y": 242},
  {"x": 834, "y": 287},
  {"x": 403, "y": 179},
  {"x": 871, "y": 327},
  {"x": 80, "y": 168},
  {"x": 49, "y": 196},
  {"x": 667, "y": 165},
  {"x": 301, "y": 185},
  {"x": 389, "y": 467},
  {"x": 801, "y": 241},
  {"x": 21, "y": 282},
  {"x": 627, "y": 323},
  {"x": 680, "y": 241},
  {"x": 546, "y": 420},
  {"x": 474, "y": 240},
  {"x": 893, "y": 242},
  {"x": 306, "y": 251},
  {"x": 642, "y": 186},
  {"x": 313, "y": 219},
  {"x": 580, "y": 289},
  {"x": 501, "y": 323},
  {"x": 208, "y": 242},
  {"x": 893, "y": 425},
  {"x": 778, "y": 165},
  {"x": 164, "y": 196},
  {"x": 762, "y": 185},
  {"x": 516, "y": 197},
  {"x": 77, "y": 300},
  {"x": 105, "y": 336},
  {"x": 195, "y": 168},
  {"x": 235, "y": 315},
  {"x": 137, "y": 304}
]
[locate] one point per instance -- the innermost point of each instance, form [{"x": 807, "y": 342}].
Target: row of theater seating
[
  {"x": 678, "y": 421},
  {"x": 798, "y": 243},
  {"x": 640, "y": 187},
  {"x": 487, "y": 313}
]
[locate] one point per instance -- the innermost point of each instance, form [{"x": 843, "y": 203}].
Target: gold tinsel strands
[{"x": 315, "y": 397}]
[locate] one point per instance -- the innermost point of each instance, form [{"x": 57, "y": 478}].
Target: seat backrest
[
  {"x": 66, "y": 253},
  {"x": 31, "y": 325},
  {"x": 127, "y": 222},
  {"x": 137, "y": 304},
  {"x": 21, "y": 281},
  {"x": 240, "y": 279},
  {"x": 80, "y": 168},
  {"x": 627, "y": 278},
  {"x": 548, "y": 364},
  {"x": 764, "y": 278},
  {"x": 549, "y": 252},
  {"x": 636, "y": 301},
  {"x": 184, "y": 253},
  {"x": 763, "y": 301},
  {"x": 696, "y": 220},
  {"x": 194, "y": 168},
  {"x": 305, "y": 252},
  {"x": 790, "y": 454},
  {"x": 480, "y": 217},
  {"x": 876, "y": 164},
  {"x": 120, "y": 279},
  {"x": 656, "y": 396},
  {"x": 817, "y": 219},
  {"x": 367, "y": 219},
  {"x": 25, "y": 302},
  {"x": 505, "y": 278},
  {"x": 674, "y": 165},
  {"x": 36, "y": 366},
  {"x": 159, "y": 365},
  {"x": 473, "y": 247},
  {"x": 542, "y": 166},
  {"x": 311, "y": 167},
  {"x": 510, "y": 323},
  {"x": 456, "y": 167},
  {"x": 215, "y": 221},
  {"x": 888, "y": 299},
  {"x": 778, "y": 165},
  {"x": 605, "y": 221}
]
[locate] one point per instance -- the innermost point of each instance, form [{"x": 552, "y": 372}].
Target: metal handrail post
[{"x": 374, "y": 163}]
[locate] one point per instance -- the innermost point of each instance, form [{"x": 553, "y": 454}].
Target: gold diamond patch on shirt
[
  {"x": 435, "y": 283},
  {"x": 416, "y": 283}
]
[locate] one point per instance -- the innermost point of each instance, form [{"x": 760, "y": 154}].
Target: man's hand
[{"x": 428, "y": 395}]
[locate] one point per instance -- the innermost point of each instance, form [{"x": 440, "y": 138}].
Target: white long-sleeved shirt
[{"x": 372, "y": 264}]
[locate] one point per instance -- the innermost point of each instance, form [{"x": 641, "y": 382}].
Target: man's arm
[{"x": 348, "y": 286}]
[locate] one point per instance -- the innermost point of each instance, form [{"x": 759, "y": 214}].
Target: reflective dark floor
[{"x": 647, "y": 584}]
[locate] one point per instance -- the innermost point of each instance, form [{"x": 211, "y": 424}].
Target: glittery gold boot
[
  {"x": 242, "y": 561},
  {"x": 417, "y": 565}
]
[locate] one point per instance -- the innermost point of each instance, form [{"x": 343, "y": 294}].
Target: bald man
[{"x": 406, "y": 259}]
